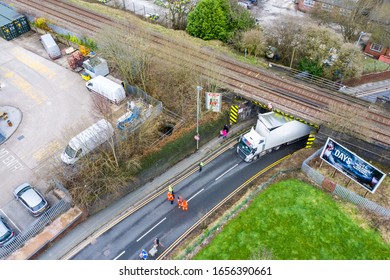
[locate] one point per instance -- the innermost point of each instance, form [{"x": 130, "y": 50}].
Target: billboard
[
  {"x": 352, "y": 165},
  {"x": 213, "y": 101}
]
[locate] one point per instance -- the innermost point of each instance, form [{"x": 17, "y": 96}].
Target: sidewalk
[{"x": 61, "y": 249}]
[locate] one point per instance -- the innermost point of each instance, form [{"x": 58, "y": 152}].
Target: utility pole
[{"x": 197, "y": 138}]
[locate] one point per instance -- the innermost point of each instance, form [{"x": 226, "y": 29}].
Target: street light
[{"x": 198, "y": 89}]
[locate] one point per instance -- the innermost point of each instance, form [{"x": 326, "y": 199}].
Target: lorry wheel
[
  {"x": 276, "y": 148},
  {"x": 256, "y": 157}
]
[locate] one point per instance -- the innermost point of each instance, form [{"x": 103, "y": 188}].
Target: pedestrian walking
[
  {"x": 179, "y": 201},
  {"x": 224, "y": 134},
  {"x": 184, "y": 205},
  {"x": 170, "y": 189},
  {"x": 226, "y": 127},
  {"x": 201, "y": 164},
  {"x": 171, "y": 197},
  {"x": 156, "y": 242}
]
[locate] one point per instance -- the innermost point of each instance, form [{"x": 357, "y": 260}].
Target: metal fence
[
  {"x": 341, "y": 191},
  {"x": 40, "y": 223},
  {"x": 314, "y": 80}
]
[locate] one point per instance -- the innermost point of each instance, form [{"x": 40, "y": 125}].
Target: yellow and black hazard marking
[
  {"x": 257, "y": 103},
  {"x": 310, "y": 141},
  {"x": 233, "y": 114}
]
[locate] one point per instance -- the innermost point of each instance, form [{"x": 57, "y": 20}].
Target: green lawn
[
  {"x": 292, "y": 220},
  {"x": 372, "y": 65}
]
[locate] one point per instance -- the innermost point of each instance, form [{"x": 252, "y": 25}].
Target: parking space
[{"x": 54, "y": 104}]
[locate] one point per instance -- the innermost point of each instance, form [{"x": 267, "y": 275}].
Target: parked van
[
  {"x": 50, "y": 46},
  {"x": 114, "y": 92},
  {"x": 86, "y": 141}
]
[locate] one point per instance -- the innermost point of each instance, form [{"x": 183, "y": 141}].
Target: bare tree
[
  {"x": 129, "y": 55},
  {"x": 352, "y": 17},
  {"x": 253, "y": 40},
  {"x": 285, "y": 35},
  {"x": 178, "y": 11},
  {"x": 379, "y": 25}
]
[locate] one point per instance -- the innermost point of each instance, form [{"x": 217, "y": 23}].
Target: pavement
[{"x": 64, "y": 248}]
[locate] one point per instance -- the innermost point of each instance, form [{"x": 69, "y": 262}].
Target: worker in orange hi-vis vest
[
  {"x": 179, "y": 201},
  {"x": 184, "y": 205},
  {"x": 171, "y": 197}
]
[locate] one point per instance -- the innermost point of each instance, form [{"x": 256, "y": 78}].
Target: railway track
[{"x": 311, "y": 104}]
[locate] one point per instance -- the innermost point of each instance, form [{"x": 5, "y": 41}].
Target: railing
[
  {"x": 312, "y": 79},
  {"x": 40, "y": 223},
  {"x": 341, "y": 191}
]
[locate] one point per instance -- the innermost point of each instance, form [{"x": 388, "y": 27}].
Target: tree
[
  {"x": 241, "y": 19},
  {"x": 210, "y": 20},
  {"x": 352, "y": 17},
  {"x": 253, "y": 41},
  {"x": 349, "y": 63},
  {"x": 379, "y": 26},
  {"x": 286, "y": 36},
  {"x": 178, "y": 11},
  {"x": 129, "y": 56}
]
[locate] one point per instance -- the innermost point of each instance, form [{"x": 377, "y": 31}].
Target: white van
[
  {"x": 112, "y": 91},
  {"x": 87, "y": 140},
  {"x": 50, "y": 46}
]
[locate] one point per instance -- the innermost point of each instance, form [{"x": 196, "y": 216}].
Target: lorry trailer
[{"x": 271, "y": 132}]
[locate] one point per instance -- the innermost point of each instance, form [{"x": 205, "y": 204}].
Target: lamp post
[
  {"x": 353, "y": 53},
  {"x": 198, "y": 89}
]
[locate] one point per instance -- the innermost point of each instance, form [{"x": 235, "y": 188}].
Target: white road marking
[
  {"x": 119, "y": 255},
  {"x": 226, "y": 172},
  {"x": 151, "y": 229},
  {"x": 10, "y": 220},
  {"x": 195, "y": 195}
]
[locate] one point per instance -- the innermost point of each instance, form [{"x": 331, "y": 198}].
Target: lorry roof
[{"x": 273, "y": 120}]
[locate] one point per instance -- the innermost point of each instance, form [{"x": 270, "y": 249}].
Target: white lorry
[
  {"x": 86, "y": 141},
  {"x": 272, "y": 131},
  {"x": 114, "y": 92}
]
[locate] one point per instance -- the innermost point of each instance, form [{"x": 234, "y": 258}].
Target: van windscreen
[{"x": 70, "y": 152}]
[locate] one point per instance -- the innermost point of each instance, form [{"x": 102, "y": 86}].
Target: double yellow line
[
  {"x": 194, "y": 226},
  {"x": 133, "y": 209}
]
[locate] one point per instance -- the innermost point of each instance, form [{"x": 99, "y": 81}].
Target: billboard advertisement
[
  {"x": 213, "y": 101},
  {"x": 352, "y": 165}
]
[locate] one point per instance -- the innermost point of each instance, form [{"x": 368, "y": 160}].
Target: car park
[
  {"x": 6, "y": 233},
  {"x": 31, "y": 199}
]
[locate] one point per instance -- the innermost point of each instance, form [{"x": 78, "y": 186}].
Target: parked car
[
  {"x": 6, "y": 233},
  {"x": 32, "y": 199}
]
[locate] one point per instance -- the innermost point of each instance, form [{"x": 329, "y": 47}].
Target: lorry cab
[{"x": 249, "y": 144}]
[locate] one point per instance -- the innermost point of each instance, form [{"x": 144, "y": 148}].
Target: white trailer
[
  {"x": 86, "y": 141},
  {"x": 272, "y": 131},
  {"x": 114, "y": 92}
]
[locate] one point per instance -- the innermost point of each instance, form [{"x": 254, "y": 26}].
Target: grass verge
[{"x": 291, "y": 220}]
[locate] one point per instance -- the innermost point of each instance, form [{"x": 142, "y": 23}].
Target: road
[{"x": 203, "y": 190}]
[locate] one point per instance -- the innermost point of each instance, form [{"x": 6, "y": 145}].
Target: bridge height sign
[
  {"x": 213, "y": 101},
  {"x": 351, "y": 165}
]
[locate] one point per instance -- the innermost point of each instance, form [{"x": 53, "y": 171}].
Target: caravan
[{"x": 87, "y": 140}]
